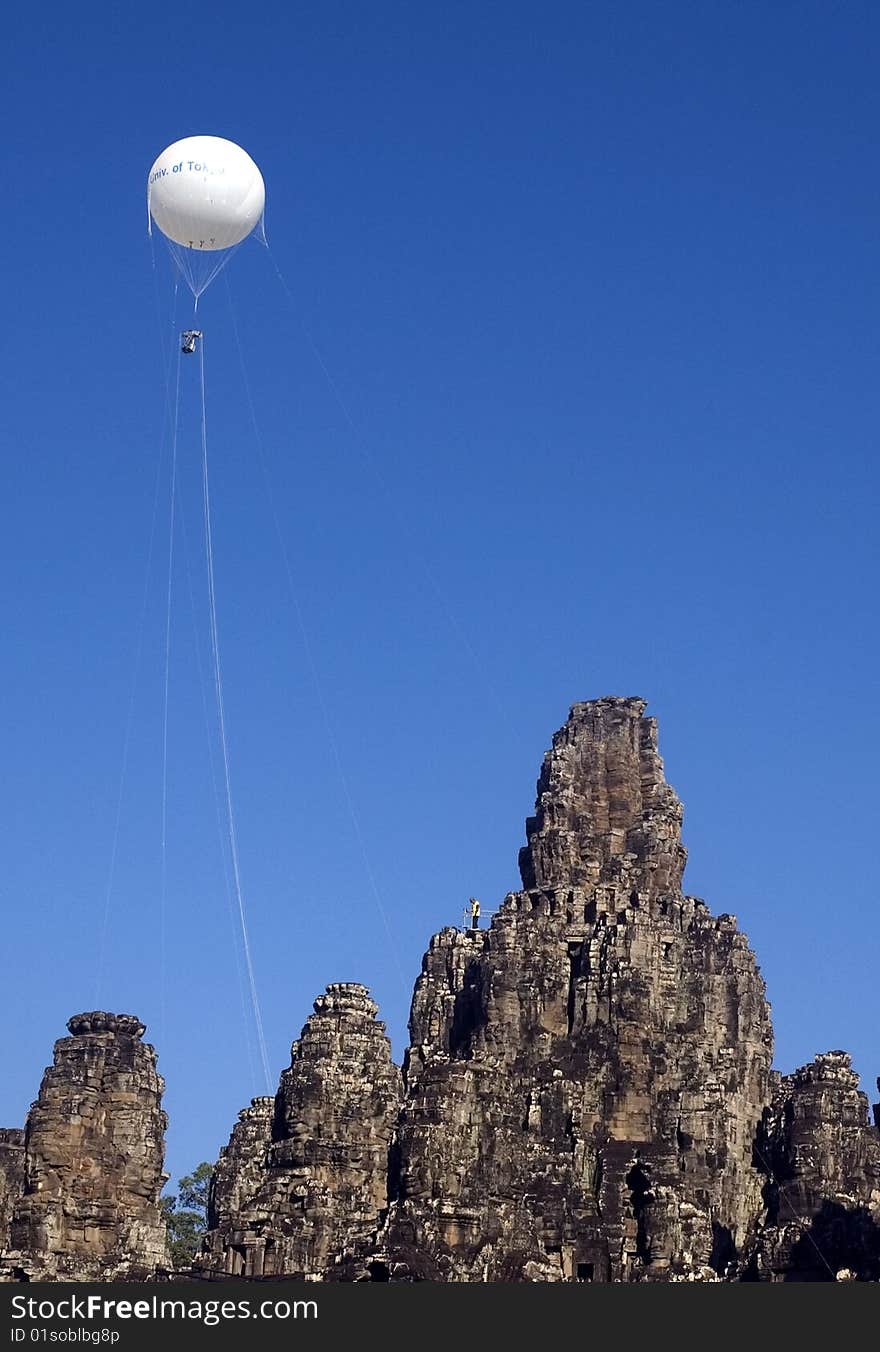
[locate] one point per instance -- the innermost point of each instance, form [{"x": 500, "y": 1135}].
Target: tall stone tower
[
  {"x": 823, "y": 1163},
  {"x": 93, "y": 1156},
  {"x": 586, "y": 1077},
  {"x": 305, "y": 1176}
]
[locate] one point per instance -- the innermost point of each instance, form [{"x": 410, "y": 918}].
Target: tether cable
[{"x": 221, "y": 719}]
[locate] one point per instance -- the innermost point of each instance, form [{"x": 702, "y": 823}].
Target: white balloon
[{"x": 206, "y": 193}]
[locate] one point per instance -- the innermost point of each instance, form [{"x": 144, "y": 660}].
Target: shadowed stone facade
[
  {"x": 11, "y": 1178},
  {"x": 822, "y": 1163}
]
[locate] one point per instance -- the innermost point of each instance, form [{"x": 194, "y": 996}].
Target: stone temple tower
[{"x": 88, "y": 1208}]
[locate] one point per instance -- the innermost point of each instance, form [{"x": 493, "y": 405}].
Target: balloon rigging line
[
  {"x": 221, "y": 719},
  {"x": 163, "y": 891},
  {"x": 403, "y": 526},
  {"x": 218, "y": 812},
  {"x": 139, "y": 646},
  {"x": 310, "y": 657}
]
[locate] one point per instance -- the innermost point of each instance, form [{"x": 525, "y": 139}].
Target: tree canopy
[{"x": 186, "y": 1214}]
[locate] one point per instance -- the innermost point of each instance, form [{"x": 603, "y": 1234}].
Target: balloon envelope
[{"x": 206, "y": 193}]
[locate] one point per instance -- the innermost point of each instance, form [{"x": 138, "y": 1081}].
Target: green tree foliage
[{"x": 185, "y": 1215}]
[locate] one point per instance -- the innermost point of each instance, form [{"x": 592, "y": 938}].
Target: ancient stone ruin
[
  {"x": 11, "y": 1177},
  {"x": 821, "y": 1162},
  {"x": 306, "y": 1174},
  {"x": 587, "y": 1094},
  {"x": 586, "y": 1097},
  {"x": 81, "y": 1184}
]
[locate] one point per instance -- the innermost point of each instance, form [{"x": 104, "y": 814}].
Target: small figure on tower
[{"x": 474, "y": 912}]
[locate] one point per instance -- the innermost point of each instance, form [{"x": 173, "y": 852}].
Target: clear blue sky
[{"x": 597, "y": 286}]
